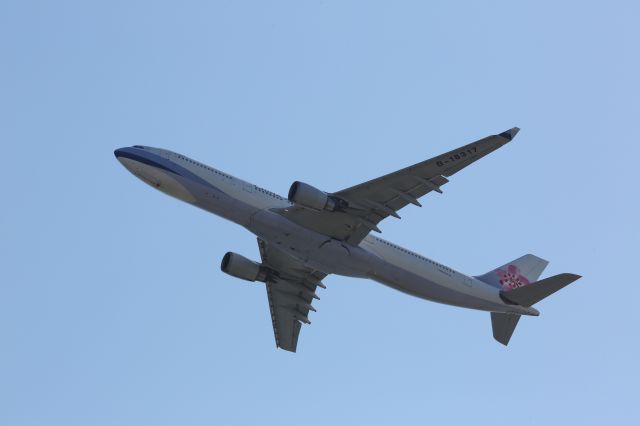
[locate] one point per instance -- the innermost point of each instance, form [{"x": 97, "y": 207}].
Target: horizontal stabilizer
[
  {"x": 535, "y": 292},
  {"x": 503, "y": 326}
]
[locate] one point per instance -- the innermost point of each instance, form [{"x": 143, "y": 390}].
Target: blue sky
[{"x": 113, "y": 310}]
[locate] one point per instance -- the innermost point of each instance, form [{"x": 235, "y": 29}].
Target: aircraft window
[{"x": 138, "y": 146}]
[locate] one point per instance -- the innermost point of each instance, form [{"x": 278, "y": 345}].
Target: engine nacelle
[
  {"x": 308, "y": 196},
  {"x": 240, "y": 267}
]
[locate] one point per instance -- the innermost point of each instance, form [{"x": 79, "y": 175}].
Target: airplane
[{"x": 313, "y": 233}]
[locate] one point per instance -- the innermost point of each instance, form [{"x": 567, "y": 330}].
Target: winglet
[{"x": 510, "y": 134}]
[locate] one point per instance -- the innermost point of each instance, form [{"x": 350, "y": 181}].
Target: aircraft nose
[{"x": 124, "y": 156}]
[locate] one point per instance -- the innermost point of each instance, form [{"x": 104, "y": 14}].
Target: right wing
[
  {"x": 291, "y": 289},
  {"x": 362, "y": 207}
]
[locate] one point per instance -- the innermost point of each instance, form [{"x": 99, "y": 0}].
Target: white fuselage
[{"x": 251, "y": 207}]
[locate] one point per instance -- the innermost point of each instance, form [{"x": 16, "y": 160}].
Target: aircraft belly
[
  {"x": 341, "y": 258},
  {"x": 317, "y": 251},
  {"x": 440, "y": 292}
]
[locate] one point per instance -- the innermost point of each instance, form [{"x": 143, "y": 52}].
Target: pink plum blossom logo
[{"x": 511, "y": 278}]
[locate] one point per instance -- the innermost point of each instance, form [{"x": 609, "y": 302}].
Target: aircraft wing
[
  {"x": 370, "y": 202},
  {"x": 291, "y": 289}
]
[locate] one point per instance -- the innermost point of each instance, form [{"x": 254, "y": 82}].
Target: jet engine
[
  {"x": 240, "y": 267},
  {"x": 308, "y": 196}
]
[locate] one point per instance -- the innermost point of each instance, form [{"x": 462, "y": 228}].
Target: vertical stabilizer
[{"x": 515, "y": 274}]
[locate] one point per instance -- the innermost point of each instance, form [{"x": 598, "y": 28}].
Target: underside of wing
[
  {"x": 354, "y": 212},
  {"x": 291, "y": 290}
]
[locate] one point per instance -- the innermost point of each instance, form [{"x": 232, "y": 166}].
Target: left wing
[
  {"x": 291, "y": 289},
  {"x": 359, "y": 209}
]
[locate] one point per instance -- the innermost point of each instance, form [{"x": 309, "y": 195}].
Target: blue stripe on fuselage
[{"x": 155, "y": 160}]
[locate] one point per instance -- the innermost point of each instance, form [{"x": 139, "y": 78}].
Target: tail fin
[
  {"x": 518, "y": 283},
  {"x": 505, "y": 323},
  {"x": 518, "y": 273},
  {"x": 503, "y": 326}
]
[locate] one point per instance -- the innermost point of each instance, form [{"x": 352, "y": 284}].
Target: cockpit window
[{"x": 138, "y": 146}]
